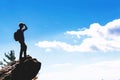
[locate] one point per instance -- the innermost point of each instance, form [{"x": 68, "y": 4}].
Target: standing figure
[{"x": 21, "y": 40}]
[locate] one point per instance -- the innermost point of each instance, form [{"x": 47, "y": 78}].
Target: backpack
[{"x": 16, "y": 35}]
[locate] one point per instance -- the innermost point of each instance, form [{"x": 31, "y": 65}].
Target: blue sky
[{"x": 74, "y": 39}]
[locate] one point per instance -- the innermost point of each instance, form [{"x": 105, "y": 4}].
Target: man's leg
[
  {"x": 21, "y": 51},
  {"x": 25, "y": 51}
]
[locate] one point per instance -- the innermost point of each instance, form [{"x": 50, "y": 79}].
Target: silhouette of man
[{"x": 23, "y": 49}]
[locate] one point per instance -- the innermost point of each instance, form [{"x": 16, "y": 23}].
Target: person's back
[{"x": 21, "y": 35}]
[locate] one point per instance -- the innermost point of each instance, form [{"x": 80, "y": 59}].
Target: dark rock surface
[{"x": 26, "y": 70}]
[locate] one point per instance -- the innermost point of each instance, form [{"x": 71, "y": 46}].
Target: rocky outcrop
[{"x": 26, "y": 70}]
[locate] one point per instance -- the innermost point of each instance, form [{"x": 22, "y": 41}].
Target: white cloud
[
  {"x": 48, "y": 50},
  {"x": 96, "y": 38},
  {"x": 62, "y": 45},
  {"x": 62, "y": 65},
  {"x": 107, "y": 70}
]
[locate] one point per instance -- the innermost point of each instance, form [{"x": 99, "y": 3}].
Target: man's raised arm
[{"x": 25, "y": 28}]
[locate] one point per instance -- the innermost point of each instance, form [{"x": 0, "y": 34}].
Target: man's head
[{"x": 21, "y": 25}]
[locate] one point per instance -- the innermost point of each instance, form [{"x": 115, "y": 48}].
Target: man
[{"x": 22, "y": 28}]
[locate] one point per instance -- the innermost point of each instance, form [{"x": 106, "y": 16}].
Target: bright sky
[{"x": 74, "y": 39}]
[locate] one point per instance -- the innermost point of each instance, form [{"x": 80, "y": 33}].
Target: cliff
[{"x": 27, "y": 70}]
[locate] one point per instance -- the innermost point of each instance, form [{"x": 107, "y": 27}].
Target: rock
[
  {"x": 26, "y": 70},
  {"x": 5, "y": 72}
]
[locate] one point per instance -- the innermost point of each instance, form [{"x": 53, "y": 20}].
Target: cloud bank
[
  {"x": 107, "y": 70},
  {"x": 95, "y": 38}
]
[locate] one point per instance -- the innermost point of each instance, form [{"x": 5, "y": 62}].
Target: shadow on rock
[{"x": 26, "y": 70}]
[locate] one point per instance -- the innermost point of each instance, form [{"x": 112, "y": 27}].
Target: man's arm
[{"x": 25, "y": 28}]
